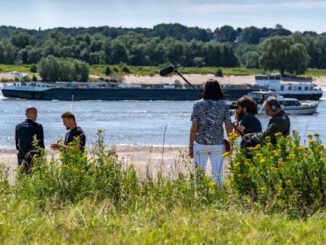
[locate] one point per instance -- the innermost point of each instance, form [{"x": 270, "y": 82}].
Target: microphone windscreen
[{"x": 166, "y": 70}]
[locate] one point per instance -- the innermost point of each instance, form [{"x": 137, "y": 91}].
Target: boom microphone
[{"x": 167, "y": 70}]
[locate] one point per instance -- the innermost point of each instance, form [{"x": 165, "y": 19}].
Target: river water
[{"x": 126, "y": 122}]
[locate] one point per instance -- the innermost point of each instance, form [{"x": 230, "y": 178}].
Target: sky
[{"x": 299, "y": 15}]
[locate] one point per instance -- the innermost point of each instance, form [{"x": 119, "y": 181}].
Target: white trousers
[{"x": 215, "y": 153}]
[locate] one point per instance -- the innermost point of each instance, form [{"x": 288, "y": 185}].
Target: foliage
[
  {"x": 286, "y": 176},
  {"x": 284, "y": 54},
  {"x": 57, "y": 69},
  {"x": 219, "y": 72},
  {"x": 95, "y": 198},
  {"x": 33, "y": 68}
]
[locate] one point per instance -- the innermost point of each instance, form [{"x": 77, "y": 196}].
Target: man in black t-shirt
[
  {"x": 74, "y": 133},
  {"x": 245, "y": 117}
]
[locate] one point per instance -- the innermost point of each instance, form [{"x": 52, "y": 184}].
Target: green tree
[
  {"x": 49, "y": 68},
  {"x": 281, "y": 53}
]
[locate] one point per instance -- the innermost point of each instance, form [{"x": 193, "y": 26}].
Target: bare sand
[
  {"x": 193, "y": 78},
  {"x": 143, "y": 158},
  {"x": 200, "y": 79}
]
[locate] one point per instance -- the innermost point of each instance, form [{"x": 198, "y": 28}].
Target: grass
[
  {"x": 97, "y": 71},
  {"x": 102, "y": 223},
  {"x": 96, "y": 199}
]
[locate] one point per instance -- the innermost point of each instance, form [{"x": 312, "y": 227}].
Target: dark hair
[
  {"x": 248, "y": 103},
  {"x": 212, "y": 90},
  {"x": 68, "y": 115}
]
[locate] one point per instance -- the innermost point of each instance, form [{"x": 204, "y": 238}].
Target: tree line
[{"x": 267, "y": 48}]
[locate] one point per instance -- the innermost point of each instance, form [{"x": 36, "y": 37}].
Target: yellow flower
[
  {"x": 311, "y": 141},
  {"x": 309, "y": 135},
  {"x": 259, "y": 155},
  {"x": 236, "y": 164},
  {"x": 278, "y": 134},
  {"x": 226, "y": 154},
  {"x": 212, "y": 184},
  {"x": 262, "y": 161},
  {"x": 316, "y": 135},
  {"x": 257, "y": 146},
  {"x": 232, "y": 136},
  {"x": 301, "y": 148}
]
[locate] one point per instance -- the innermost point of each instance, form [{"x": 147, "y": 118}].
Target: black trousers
[{"x": 25, "y": 160}]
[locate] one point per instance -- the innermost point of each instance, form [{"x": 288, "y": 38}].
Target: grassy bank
[
  {"x": 97, "y": 199},
  {"x": 102, "y": 223},
  {"x": 98, "y": 70}
]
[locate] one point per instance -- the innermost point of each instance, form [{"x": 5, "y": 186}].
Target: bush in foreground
[
  {"x": 96, "y": 198},
  {"x": 287, "y": 176}
]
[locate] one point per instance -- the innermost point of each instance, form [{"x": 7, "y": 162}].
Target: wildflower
[
  {"x": 301, "y": 148},
  {"x": 212, "y": 184},
  {"x": 226, "y": 154},
  {"x": 259, "y": 155},
  {"x": 309, "y": 135},
  {"x": 236, "y": 165},
  {"x": 232, "y": 136},
  {"x": 278, "y": 134},
  {"x": 316, "y": 135},
  {"x": 257, "y": 146},
  {"x": 262, "y": 161},
  {"x": 321, "y": 147},
  {"x": 311, "y": 141}
]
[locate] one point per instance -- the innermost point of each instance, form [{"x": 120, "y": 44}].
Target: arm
[
  {"x": 41, "y": 140},
  {"x": 271, "y": 130},
  {"x": 16, "y": 139},
  {"x": 227, "y": 121},
  {"x": 193, "y": 131},
  {"x": 228, "y": 127}
]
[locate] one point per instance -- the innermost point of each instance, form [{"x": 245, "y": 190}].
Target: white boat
[
  {"x": 291, "y": 106},
  {"x": 290, "y": 87}
]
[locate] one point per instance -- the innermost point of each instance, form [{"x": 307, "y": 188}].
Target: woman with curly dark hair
[{"x": 207, "y": 133}]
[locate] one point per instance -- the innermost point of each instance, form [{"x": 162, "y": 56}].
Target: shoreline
[
  {"x": 192, "y": 77},
  {"x": 143, "y": 158}
]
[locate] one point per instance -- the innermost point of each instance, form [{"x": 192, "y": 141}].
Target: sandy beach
[
  {"x": 152, "y": 158},
  {"x": 193, "y": 78},
  {"x": 201, "y": 78}
]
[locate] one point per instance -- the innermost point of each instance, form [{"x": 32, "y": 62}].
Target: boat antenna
[{"x": 169, "y": 69}]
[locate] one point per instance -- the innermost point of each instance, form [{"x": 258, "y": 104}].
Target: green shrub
[
  {"x": 286, "y": 176},
  {"x": 33, "y": 68},
  {"x": 125, "y": 69},
  {"x": 107, "y": 70},
  {"x": 219, "y": 72}
]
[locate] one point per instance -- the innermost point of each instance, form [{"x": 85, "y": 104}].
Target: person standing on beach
[
  {"x": 207, "y": 133},
  {"x": 75, "y": 132},
  {"x": 29, "y": 139}
]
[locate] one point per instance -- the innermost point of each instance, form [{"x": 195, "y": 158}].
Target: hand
[
  {"x": 236, "y": 116},
  {"x": 191, "y": 152}
]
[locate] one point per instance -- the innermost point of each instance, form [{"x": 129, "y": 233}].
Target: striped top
[{"x": 210, "y": 115}]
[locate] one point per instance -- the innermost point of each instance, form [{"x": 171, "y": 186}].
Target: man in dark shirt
[
  {"x": 25, "y": 134},
  {"x": 279, "y": 123},
  {"x": 69, "y": 121},
  {"x": 245, "y": 117}
]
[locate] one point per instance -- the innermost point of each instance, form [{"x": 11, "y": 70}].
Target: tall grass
[{"x": 94, "y": 198}]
